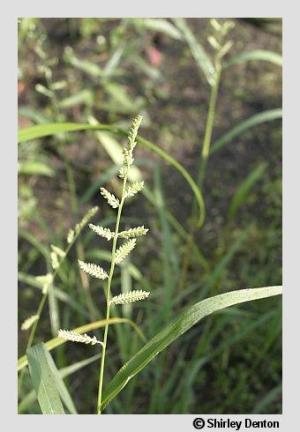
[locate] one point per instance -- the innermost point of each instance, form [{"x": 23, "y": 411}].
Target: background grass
[{"x": 77, "y": 70}]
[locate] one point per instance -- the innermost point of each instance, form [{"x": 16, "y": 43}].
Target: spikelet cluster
[
  {"x": 86, "y": 218},
  {"x": 78, "y": 227},
  {"x": 110, "y": 198},
  {"x": 134, "y": 189},
  {"x": 133, "y": 232},
  {"x": 130, "y": 297},
  {"x": 29, "y": 322},
  {"x": 217, "y": 40},
  {"x": 124, "y": 250},
  {"x": 93, "y": 270},
  {"x": 134, "y": 131},
  {"x": 75, "y": 337},
  {"x": 128, "y": 151},
  {"x": 102, "y": 232}
]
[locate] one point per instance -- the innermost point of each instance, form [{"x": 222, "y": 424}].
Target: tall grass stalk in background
[{"x": 221, "y": 47}]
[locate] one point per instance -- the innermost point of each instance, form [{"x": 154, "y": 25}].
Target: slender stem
[
  {"x": 202, "y": 165},
  {"x": 108, "y": 295},
  {"x": 209, "y": 123}
]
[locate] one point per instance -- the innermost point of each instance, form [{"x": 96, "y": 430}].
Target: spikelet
[
  {"x": 56, "y": 255},
  {"x": 124, "y": 250},
  {"x": 71, "y": 235},
  {"x": 227, "y": 27},
  {"x": 93, "y": 270},
  {"x": 29, "y": 322},
  {"x": 227, "y": 47},
  {"x": 134, "y": 232},
  {"x": 75, "y": 337},
  {"x": 102, "y": 232},
  {"x": 54, "y": 260},
  {"x": 59, "y": 252},
  {"x": 213, "y": 42},
  {"x": 134, "y": 189},
  {"x": 45, "y": 281},
  {"x": 130, "y": 297},
  {"x": 110, "y": 198},
  {"x": 122, "y": 172},
  {"x": 215, "y": 24},
  {"x": 86, "y": 218}
]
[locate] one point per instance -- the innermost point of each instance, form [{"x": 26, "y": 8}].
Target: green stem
[
  {"x": 202, "y": 166},
  {"x": 108, "y": 295},
  {"x": 209, "y": 123}
]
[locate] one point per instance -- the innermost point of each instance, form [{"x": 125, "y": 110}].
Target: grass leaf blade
[
  {"x": 175, "y": 329},
  {"x": 255, "y": 120},
  {"x": 264, "y": 55},
  {"x": 201, "y": 57},
  {"x": 44, "y": 381},
  {"x": 241, "y": 194}
]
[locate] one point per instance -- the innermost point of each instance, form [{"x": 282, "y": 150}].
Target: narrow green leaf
[
  {"x": 68, "y": 370},
  {"x": 34, "y": 115},
  {"x": 84, "y": 65},
  {"x": 242, "y": 193},
  {"x": 43, "y": 355},
  {"x": 35, "y": 168},
  {"x": 264, "y": 55},
  {"x": 201, "y": 57},
  {"x": 61, "y": 387},
  {"x": 161, "y": 25},
  {"x": 83, "y": 97},
  {"x": 30, "y": 397},
  {"x": 114, "y": 61},
  {"x": 255, "y": 120},
  {"x": 263, "y": 404},
  {"x": 44, "y": 381},
  {"x": 121, "y": 98},
  {"x": 40, "y": 131},
  {"x": 220, "y": 267},
  {"x": 179, "y": 326}
]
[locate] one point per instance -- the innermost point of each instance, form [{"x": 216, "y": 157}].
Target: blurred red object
[{"x": 154, "y": 55}]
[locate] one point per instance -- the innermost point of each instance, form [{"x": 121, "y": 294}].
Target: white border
[{"x": 291, "y": 218}]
